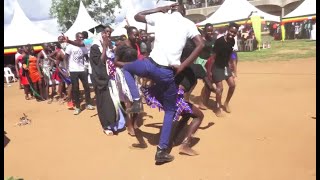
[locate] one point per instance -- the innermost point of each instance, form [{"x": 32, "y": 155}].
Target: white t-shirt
[
  {"x": 235, "y": 47},
  {"x": 76, "y": 58},
  {"x": 16, "y": 57},
  {"x": 171, "y": 34}
]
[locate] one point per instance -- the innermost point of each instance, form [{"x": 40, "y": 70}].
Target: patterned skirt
[{"x": 150, "y": 94}]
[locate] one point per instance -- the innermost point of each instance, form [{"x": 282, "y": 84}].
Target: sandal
[{"x": 27, "y": 98}]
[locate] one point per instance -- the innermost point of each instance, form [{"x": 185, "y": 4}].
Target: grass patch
[{"x": 287, "y": 50}]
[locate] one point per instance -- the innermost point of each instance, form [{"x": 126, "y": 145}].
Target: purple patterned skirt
[
  {"x": 182, "y": 106},
  {"x": 112, "y": 69}
]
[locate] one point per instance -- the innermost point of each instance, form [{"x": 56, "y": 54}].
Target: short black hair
[
  {"x": 85, "y": 34},
  {"x": 78, "y": 33},
  {"x": 130, "y": 29},
  {"x": 207, "y": 25},
  {"x": 126, "y": 53},
  {"x": 233, "y": 24}
]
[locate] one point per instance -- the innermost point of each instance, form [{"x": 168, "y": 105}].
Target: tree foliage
[{"x": 66, "y": 11}]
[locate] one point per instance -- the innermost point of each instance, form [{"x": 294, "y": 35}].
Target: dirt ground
[{"x": 270, "y": 134}]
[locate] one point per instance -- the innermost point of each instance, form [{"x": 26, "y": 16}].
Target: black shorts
[
  {"x": 219, "y": 74},
  {"x": 198, "y": 70}
]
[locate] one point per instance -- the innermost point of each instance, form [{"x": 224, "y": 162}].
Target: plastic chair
[{"x": 8, "y": 74}]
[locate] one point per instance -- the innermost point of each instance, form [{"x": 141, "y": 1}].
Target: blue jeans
[{"x": 164, "y": 79}]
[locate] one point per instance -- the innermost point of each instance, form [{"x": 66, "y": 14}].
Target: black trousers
[
  {"x": 83, "y": 76},
  {"x": 105, "y": 107}
]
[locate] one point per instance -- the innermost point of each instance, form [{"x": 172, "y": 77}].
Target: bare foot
[
  {"x": 219, "y": 113},
  {"x": 227, "y": 108},
  {"x": 131, "y": 132},
  {"x": 50, "y": 101},
  {"x": 202, "y": 107},
  {"x": 185, "y": 149}
]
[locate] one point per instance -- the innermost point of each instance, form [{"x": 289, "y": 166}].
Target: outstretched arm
[
  {"x": 141, "y": 16},
  {"x": 75, "y": 43}
]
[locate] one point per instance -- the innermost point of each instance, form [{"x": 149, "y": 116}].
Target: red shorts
[{"x": 55, "y": 75}]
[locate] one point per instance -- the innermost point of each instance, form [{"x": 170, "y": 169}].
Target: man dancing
[
  {"x": 163, "y": 63},
  {"x": 220, "y": 69}
]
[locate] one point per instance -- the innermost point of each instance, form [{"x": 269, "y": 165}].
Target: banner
[
  {"x": 283, "y": 32},
  {"x": 256, "y": 25}
]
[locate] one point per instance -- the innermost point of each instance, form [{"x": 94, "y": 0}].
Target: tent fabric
[
  {"x": 22, "y": 31},
  {"x": 120, "y": 30},
  {"x": 306, "y": 8},
  {"x": 235, "y": 10},
  {"x": 83, "y": 22}
]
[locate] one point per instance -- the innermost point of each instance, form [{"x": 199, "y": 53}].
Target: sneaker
[
  {"x": 70, "y": 105},
  {"x": 89, "y": 107},
  {"x": 163, "y": 156},
  {"x": 76, "y": 111}
]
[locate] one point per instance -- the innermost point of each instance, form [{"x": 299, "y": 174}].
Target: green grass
[{"x": 287, "y": 50}]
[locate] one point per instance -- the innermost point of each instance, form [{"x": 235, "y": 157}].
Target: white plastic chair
[{"x": 8, "y": 74}]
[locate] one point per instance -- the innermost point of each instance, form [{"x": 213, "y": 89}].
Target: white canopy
[
  {"x": 22, "y": 31},
  {"x": 235, "y": 10},
  {"x": 83, "y": 22},
  {"x": 119, "y": 30},
  {"x": 307, "y": 7}
]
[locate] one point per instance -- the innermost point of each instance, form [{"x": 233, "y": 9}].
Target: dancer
[
  {"x": 185, "y": 80},
  {"x": 163, "y": 63},
  {"x": 220, "y": 69},
  {"x": 124, "y": 55}
]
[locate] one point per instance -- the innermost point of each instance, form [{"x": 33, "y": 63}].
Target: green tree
[{"x": 66, "y": 11}]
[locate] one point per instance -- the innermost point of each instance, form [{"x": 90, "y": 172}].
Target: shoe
[
  {"x": 76, "y": 111},
  {"x": 70, "y": 105},
  {"x": 89, "y": 107},
  {"x": 108, "y": 132},
  {"x": 136, "y": 107},
  {"x": 163, "y": 156}
]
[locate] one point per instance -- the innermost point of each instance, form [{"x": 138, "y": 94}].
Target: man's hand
[
  {"x": 65, "y": 38},
  {"x": 165, "y": 9},
  {"x": 177, "y": 68},
  {"x": 105, "y": 41}
]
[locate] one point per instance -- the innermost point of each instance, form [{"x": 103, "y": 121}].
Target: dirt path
[{"x": 271, "y": 134}]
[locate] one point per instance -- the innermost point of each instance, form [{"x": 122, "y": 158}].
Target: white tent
[
  {"x": 83, "y": 22},
  {"x": 235, "y": 10},
  {"x": 119, "y": 30},
  {"x": 306, "y": 8},
  {"x": 22, "y": 31}
]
